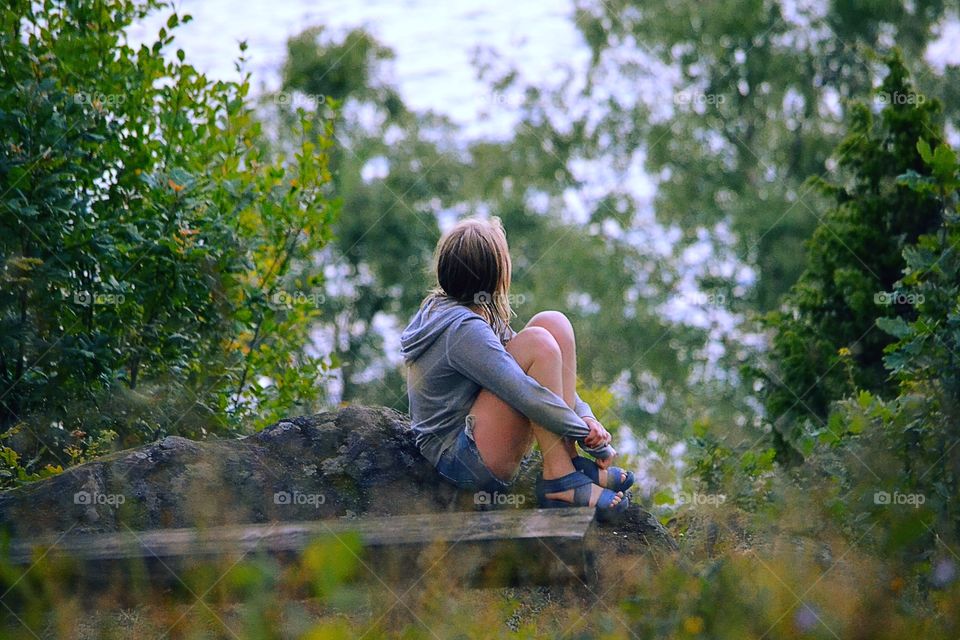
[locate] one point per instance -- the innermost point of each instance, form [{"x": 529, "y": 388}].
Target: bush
[
  {"x": 151, "y": 243},
  {"x": 855, "y": 257},
  {"x": 918, "y": 429}
]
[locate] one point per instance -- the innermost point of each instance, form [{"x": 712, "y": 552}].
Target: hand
[
  {"x": 606, "y": 463},
  {"x": 598, "y": 436}
]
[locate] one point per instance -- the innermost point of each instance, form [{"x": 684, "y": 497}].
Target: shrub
[
  {"x": 151, "y": 244},
  {"x": 854, "y": 259}
]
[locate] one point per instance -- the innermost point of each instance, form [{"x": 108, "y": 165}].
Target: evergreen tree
[{"x": 854, "y": 258}]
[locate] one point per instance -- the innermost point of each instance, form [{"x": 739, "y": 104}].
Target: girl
[{"x": 480, "y": 393}]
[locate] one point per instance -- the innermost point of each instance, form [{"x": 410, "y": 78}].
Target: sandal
[
  {"x": 590, "y": 469},
  {"x": 582, "y": 492}
]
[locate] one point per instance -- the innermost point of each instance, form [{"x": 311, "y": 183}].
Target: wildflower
[{"x": 693, "y": 625}]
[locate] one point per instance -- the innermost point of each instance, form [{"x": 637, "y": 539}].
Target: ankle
[{"x": 557, "y": 469}]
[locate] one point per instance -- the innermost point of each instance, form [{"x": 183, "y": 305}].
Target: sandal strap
[
  {"x": 591, "y": 469},
  {"x": 606, "y": 499},
  {"x": 582, "y": 494},
  {"x": 569, "y": 481},
  {"x": 614, "y": 475},
  {"x": 588, "y": 468}
]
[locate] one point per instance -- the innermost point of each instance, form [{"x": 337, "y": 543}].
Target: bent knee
[
  {"x": 536, "y": 342},
  {"x": 557, "y": 324}
]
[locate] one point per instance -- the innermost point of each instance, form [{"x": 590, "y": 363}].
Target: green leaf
[
  {"x": 923, "y": 148},
  {"x": 663, "y": 497},
  {"x": 896, "y": 326},
  {"x": 944, "y": 163}
]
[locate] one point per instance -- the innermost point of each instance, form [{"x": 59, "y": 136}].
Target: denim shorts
[{"x": 462, "y": 465}]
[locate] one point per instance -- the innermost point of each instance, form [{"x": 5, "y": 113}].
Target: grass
[{"x": 737, "y": 575}]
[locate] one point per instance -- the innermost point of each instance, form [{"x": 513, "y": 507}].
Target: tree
[
  {"x": 756, "y": 107},
  {"x": 144, "y": 234},
  {"x": 853, "y": 260}
]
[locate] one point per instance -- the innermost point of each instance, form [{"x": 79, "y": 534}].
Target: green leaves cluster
[
  {"x": 920, "y": 424},
  {"x": 145, "y": 232},
  {"x": 854, "y": 258},
  {"x": 864, "y": 377}
]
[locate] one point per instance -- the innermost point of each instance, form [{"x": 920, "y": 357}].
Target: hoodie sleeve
[
  {"x": 474, "y": 350},
  {"x": 582, "y": 409}
]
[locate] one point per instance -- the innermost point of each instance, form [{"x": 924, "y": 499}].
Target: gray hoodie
[{"x": 451, "y": 354}]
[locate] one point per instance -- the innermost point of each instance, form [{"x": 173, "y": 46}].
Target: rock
[{"x": 356, "y": 460}]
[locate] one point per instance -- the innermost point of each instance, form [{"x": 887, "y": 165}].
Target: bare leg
[
  {"x": 562, "y": 331},
  {"x": 504, "y": 436}
]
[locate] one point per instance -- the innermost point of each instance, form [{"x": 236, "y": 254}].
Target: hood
[{"x": 434, "y": 317}]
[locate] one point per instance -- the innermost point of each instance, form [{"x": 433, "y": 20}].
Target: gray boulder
[{"x": 345, "y": 463}]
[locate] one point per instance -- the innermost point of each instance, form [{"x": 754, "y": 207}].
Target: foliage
[
  {"x": 918, "y": 428},
  {"x": 144, "y": 234},
  {"x": 339, "y": 71},
  {"x": 719, "y": 467},
  {"x": 754, "y": 105},
  {"x": 853, "y": 260},
  {"x": 791, "y": 585}
]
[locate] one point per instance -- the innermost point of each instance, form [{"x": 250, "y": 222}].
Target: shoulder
[
  {"x": 471, "y": 335},
  {"x": 470, "y": 322}
]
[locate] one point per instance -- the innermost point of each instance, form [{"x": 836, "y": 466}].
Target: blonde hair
[{"x": 472, "y": 265}]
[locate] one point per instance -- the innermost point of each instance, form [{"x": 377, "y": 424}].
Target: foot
[
  {"x": 604, "y": 477},
  {"x": 603, "y": 474},
  {"x": 595, "y": 491}
]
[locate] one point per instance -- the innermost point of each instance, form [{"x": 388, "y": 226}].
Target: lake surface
[{"x": 434, "y": 43}]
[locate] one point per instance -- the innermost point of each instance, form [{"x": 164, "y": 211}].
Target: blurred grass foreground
[{"x": 747, "y": 208}]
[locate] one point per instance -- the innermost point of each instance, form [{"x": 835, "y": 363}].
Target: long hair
[{"x": 473, "y": 267}]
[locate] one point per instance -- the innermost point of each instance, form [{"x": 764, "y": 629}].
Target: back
[{"x": 440, "y": 396}]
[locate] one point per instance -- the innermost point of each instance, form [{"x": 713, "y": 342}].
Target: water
[{"x": 434, "y": 43}]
